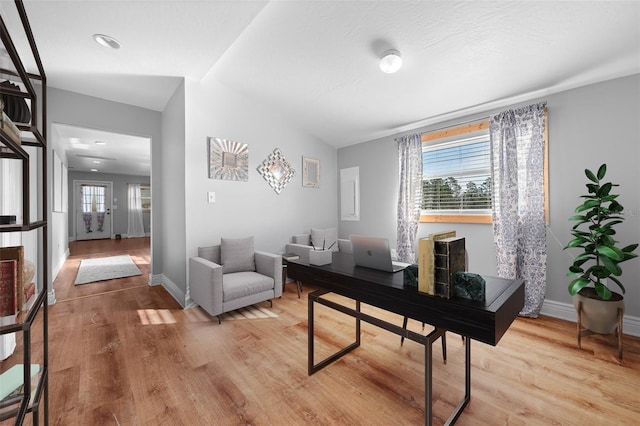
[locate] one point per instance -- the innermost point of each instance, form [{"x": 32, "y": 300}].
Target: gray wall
[
  {"x": 79, "y": 110},
  {"x": 174, "y": 206},
  {"x": 119, "y": 215},
  {"x": 587, "y": 126}
]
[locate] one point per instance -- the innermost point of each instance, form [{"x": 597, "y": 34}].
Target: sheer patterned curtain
[
  {"x": 409, "y": 195},
  {"x": 517, "y": 160},
  {"x": 136, "y": 227}
]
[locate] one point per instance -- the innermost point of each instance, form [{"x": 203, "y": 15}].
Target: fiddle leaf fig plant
[{"x": 594, "y": 233}]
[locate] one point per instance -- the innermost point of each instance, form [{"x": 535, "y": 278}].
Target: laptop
[{"x": 374, "y": 252}]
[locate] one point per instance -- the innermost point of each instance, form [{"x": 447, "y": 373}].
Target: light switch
[{"x": 211, "y": 197}]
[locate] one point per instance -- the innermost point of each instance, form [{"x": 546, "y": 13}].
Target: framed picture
[
  {"x": 276, "y": 170},
  {"x": 310, "y": 172},
  {"x": 228, "y": 160}
]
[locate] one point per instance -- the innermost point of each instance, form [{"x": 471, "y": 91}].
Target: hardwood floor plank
[{"x": 125, "y": 353}]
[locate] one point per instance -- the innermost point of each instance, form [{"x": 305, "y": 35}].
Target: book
[
  {"x": 426, "y": 261},
  {"x": 12, "y": 381},
  {"x": 16, "y": 253},
  {"x": 29, "y": 296},
  {"x": 290, "y": 256},
  {"x": 450, "y": 258},
  {"x": 8, "y": 287}
]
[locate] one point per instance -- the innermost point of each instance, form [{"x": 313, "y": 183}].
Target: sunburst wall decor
[
  {"x": 228, "y": 160},
  {"x": 276, "y": 170}
]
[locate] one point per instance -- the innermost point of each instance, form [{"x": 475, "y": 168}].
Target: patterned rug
[
  {"x": 106, "y": 268},
  {"x": 250, "y": 312}
]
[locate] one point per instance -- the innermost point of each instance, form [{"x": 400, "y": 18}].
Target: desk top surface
[{"x": 504, "y": 297}]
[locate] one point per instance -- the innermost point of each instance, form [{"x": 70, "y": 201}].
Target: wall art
[
  {"x": 276, "y": 170},
  {"x": 228, "y": 160},
  {"x": 310, "y": 172}
]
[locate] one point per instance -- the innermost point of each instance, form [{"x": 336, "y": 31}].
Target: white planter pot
[{"x": 599, "y": 316}]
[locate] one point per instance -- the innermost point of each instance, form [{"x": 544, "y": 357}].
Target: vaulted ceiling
[{"x": 316, "y": 62}]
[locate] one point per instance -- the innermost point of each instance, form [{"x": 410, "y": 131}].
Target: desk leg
[
  {"x": 428, "y": 378},
  {"x": 312, "y": 367}
]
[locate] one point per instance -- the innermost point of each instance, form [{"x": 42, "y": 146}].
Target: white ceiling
[{"x": 316, "y": 62}]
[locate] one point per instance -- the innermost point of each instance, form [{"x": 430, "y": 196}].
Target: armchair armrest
[
  {"x": 270, "y": 264},
  {"x": 344, "y": 245},
  {"x": 299, "y": 249},
  {"x": 205, "y": 284}
]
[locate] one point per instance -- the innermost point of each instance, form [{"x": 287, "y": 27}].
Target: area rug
[
  {"x": 250, "y": 312},
  {"x": 106, "y": 268}
]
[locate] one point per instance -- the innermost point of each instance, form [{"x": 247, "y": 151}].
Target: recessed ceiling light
[
  {"x": 107, "y": 41},
  {"x": 96, "y": 162},
  {"x": 100, "y": 143},
  {"x": 94, "y": 170}
]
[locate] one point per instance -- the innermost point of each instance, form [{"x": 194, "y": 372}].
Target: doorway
[{"x": 92, "y": 207}]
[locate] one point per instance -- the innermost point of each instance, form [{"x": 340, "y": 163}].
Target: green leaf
[
  {"x": 630, "y": 248},
  {"x": 615, "y": 207},
  {"x": 604, "y": 190},
  {"x": 584, "y": 257},
  {"x": 593, "y": 188},
  {"x": 611, "y": 266},
  {"x": 587, "y": 205},
  {"x": 613, "y": 253},
  {"x": 617, "y": 281},
  {"x": 603, "y": 291},
  {"x": 577, "y": 242},
  {"x": 578, "y": 217},
  {"x": 602, "y": 171},
  {"x": 590, "y": 175},
  {"x": 578, "y": 284}
]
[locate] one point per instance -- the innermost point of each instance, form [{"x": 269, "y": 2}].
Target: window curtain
[
  {"x": 517, "y": 161},
  {"x": 409, "y": 195},
  {"x": 136, "y": 227}
]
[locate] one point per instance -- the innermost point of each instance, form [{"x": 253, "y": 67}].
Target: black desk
[{"x": 484, "y": 321}]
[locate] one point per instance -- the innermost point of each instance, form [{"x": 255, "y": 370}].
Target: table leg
[{"x": 312, "y": 367}]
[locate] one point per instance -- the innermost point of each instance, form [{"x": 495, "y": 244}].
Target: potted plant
[{"x": 599, "y": 309}]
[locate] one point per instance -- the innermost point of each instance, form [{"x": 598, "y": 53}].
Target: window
[
  {"x": 93, "y": 198},
  {"x": 145, "y": 198},
  {"x": 456, "y": 177}
]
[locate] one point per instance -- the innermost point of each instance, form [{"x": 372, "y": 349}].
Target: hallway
[{"x": 137, "y": 248}]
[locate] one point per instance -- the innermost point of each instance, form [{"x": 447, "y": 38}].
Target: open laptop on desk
[{"x": 374, "y": 252}]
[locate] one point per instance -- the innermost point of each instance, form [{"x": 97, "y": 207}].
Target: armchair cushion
[
  {"x": 237, "y": 255},
  {"x": 243, "y": 284}
]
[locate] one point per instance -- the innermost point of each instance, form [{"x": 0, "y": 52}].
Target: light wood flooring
[{"x": 125, "y": 353}]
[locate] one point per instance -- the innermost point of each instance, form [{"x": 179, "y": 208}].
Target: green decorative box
[
  {"x": 469, "y": 286},
  {"x": 411, "y": 275}
]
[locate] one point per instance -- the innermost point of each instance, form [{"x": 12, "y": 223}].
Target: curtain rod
[{"x": 462, "y": 123}]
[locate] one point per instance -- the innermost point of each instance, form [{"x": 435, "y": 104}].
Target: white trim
[
  {"x": 51, "y": 297},
  {"x": 171, "y": 288},
  {"x": 566, "y": 311}
]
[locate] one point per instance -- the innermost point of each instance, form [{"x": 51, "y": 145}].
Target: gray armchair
[
  {"x": 232, "y": 275},
  {"x": 301, "y": 243}
]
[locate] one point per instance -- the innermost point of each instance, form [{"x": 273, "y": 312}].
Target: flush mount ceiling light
[
  {"x": 390, "y": 61},
  {"x": 107, "y": 41},
  {"x": 100, "y": 143}
]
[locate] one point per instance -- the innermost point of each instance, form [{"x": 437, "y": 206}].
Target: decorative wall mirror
[
  {"x": 228, "y": 160},
  {"x": 276, "y": 170},
  {"x": 310, "y": 172}
]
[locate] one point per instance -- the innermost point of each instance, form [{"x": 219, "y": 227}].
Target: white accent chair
[
  {"x": 233, "y": 275},
  {"x": 302, "y": 243}
]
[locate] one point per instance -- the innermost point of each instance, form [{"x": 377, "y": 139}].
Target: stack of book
[
  {"x": 290, "y": 256},
  {"x": 12, "y": 289}
]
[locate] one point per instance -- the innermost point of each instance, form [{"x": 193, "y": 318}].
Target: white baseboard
[
  {"x": 171, "y": 288},
  {"x": 58, "y": 266},
  {"x": 566, "y": 311}
]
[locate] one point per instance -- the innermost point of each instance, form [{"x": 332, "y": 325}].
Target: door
[{"x": 93, "y": 210}]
